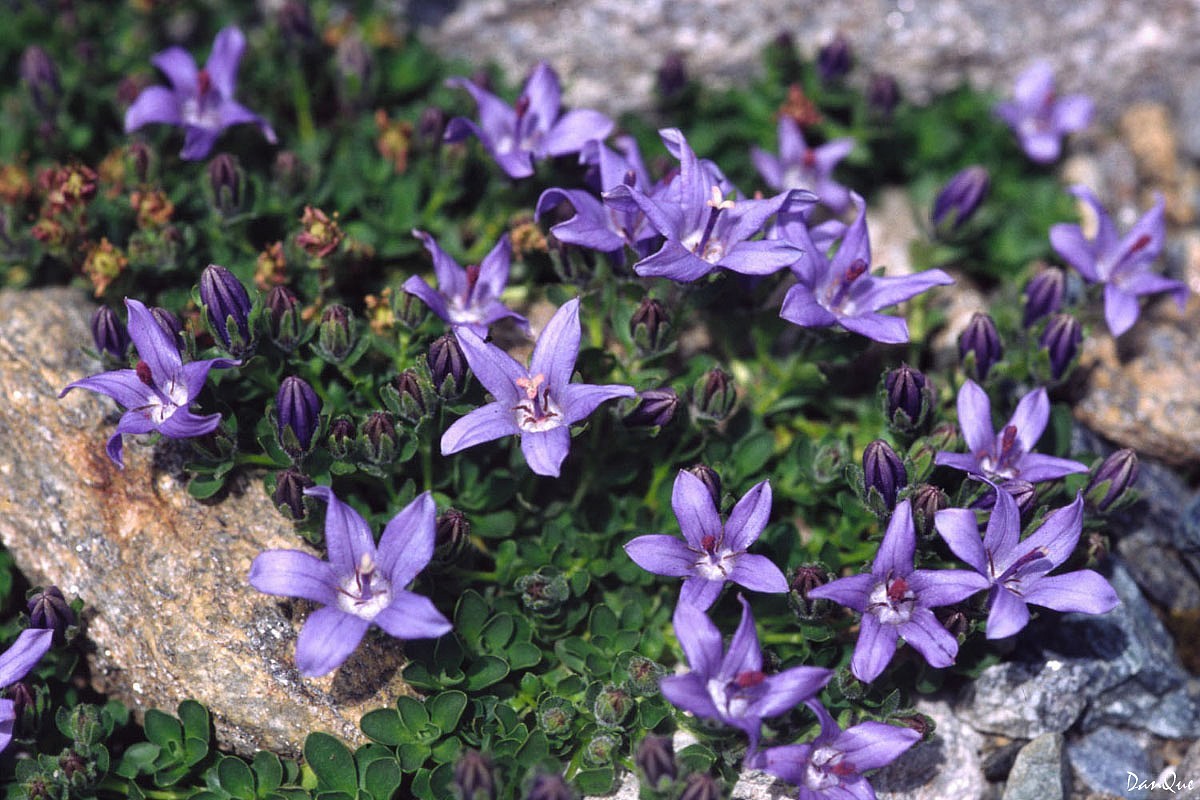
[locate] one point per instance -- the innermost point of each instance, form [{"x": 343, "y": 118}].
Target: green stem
[{"x": 303, "y": 105}]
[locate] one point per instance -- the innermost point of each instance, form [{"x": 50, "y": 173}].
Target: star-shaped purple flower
[
  {"x": 1122, "y": 263},
  {"x": 730, "y": 685},
  {"x": 538, "y": 404},
  {"x": 1039, "y": 117},
  {"x": 831, "y": 766},
  {"x": 895, "y": 601},
  {"x": 1008, "y": 454},
  {"x": 359, "y": 584},
  {"x": 199, "y": 100},
  {"x": 711, "y": 553},
  {"x": 533, "y": 128},
  {"x": 842, "y": 290},
  {"x": 1016, "y": 568},
  {"x": 15, "y": 663},
  {"x": 704, "y": 229},
  {"x": 158, "y": 393},
  {"x": 468, "y": 298},
  {"x": 799, "y": 166}
]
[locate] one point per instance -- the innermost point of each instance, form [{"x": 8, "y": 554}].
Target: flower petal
[
  {"x": 790, "y": 688},
  {"x": 761, "y": 257},
  {"x": 877, "y": 327},
  {"x": 493, "y": 270},
  {"x": 1120, "y": 309},
  {"x": 198, "y": 142},
  {"x": 179, "y": 67},
  {"x": 929, "y": 638},
  {"x": 744, "y": 654},
  {"x": 875, "y": 647},
  {"x": 789, "y": 762},
  {"x": 1073, "y": 113},
  {"x": 545, "y": 450},
  {"x": 871, "y": 745},
  {"x": 8, "y": 717},
  {"x": 700, "y": 592},
  {"x": 1007, "y": 613},
  {"x": 1035, "y": 467},
  {"x": 122, "y": 385},
  {"x": 1056, "y": 537},
  {"x": 800, "y": 307},
  {"x": 579, "y": 400},
  {"x": 899, "y": 545},
  {"x": 1068, "y": 241},
  {"x": 223, "y": 61},
  {"x": 882, "y": 292},
  {"x": 234, "y": 113},
  {"x": 557, "y": 347},
  {"x": 1030, "y": 418},
  {"x": 699, "y": 639},
  {"x": 662, "y": 555},
  {"x": 689, "y": 693},
  {"x": 959, "y": 528},
  {"x": 674, "y": 261},
  {"x": 195, "y": 373},
  {"x": 451, "y": 277},
  {"x": 963, "y": 461},
  {"x": 327, "y": 639},
  {"x": 347, "y": 537},
  {"x": 495, "y": 369},
  {"x": 407, "y": 542},
  {"x": 24, "y": 654},
  {"x": 695, "y": 509},
  {"x": 758, "y": 573},
  {"x": 975, "y": 418},
  {"x": 943, "y": 587},
  {"x": 749, "y": 517},
  {"x": 412, "y": 616},
  {"x": 1003, "y": 528},
  {"x": 768, "y": 166},
  {"x": 496, "y": 118},
  {"x": 853, "y": 591},
  {"x": 1083, "y": 590},
  {"x": 484, "y": 424},
  {"x": 155, "y": 104},
  {"x": 292, "y": 573},
  {"x": 153, "y": 344},
  {"x": 183, "y": 424},
  {"x": 416, "y": 286},
  {"x": 575, "y": 129}
]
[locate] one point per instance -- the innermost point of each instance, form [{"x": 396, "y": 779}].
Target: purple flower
[
  {"x": 799, "y": 166},
  {"x": 199, "y": 100},
  {"x": 15, "y": 663},
  {"x": 831, "y": 766},
  {"x": 532, "y": 128},
  {"x": 359, "y": 584},
  {"x": 895, "y": 600},
  {"x": 730, "y": 685},
  {"x": 842, "y": 290},
  {"x": 469, "y": 297},
  {"x": 1122, "y": 264},
  {"x": 711, "y": 553},
  {"x": 538, "y": 404},
  {"x": 1039, "y": 116},
  {"x": 704, "y": 229},
  {"x": 1008, "y": 454},
  {"x": 1016, "y": 568},
  {"x": 159, "y": 391}
]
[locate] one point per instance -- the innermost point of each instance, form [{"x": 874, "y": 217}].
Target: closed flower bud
[
  {"x": 601, "y": 748},
  {"x": 49, "y": 609},
  {"x": 655, "y": 759},
  {"x": 714, "y": 395},
  {"x": 226, "y": 180},
  {"x": 447, "y": 366},
  {"x": 649, "y": 326},
  {"x": 544, "y": 592},
  {"x": 40, "y": 77},
  {"x": 921, "y": 723},
  {"x": 959, "y": 199},
  {"x": 408, "y": 311},
  {"x": 956, "y": 623},
  {"x": 702, "y": 786},
  {"x": 644, "y": 675},
  {"x": 168, "y": 322},
  {"x": 806, "y": 578},
  {"x": 452, "y": 536},
  {"x": 829, "y": 463},
  {"x": 1112, "y": 479},
  {"x": 295, "y": 21},
  {"x": 883, "y": 472},
  {"x": 1023, "y": 493},
  {"x": 672, "y": 77},
  {"x": 430, "y": 127},
  {"x": 711, "y": 480},
  {"x": 612, "y": 706},
  {"x": 475, "y": 776},
  {"x": 927, "y": 500},
  {"x": 22, "y": 696},
  {"x": 835, "y": 59},
  {"x": 227, "y": 308},
  {"x": 883, "y": 95},
  {"x": 336, "y": 336},
  {"x": 1044, "y": 295},
  {"x": 297, "y": 410},
  {"x": 283, "y": 318},
  {"x": 408, "y": 396},
  {"x": 555, "y": 715},
  {"x": 377, "y": 438},
  {"x": 550, "y": 787},
  {"x": 289, "y": 494},
  {"x": 908, "y": 399},
  {"x": 342, "y": 434},
  {"x": 979, "y": 346},
  {"x": 655, "y": 408},
  {"x": 923, "y": 451},
  {"x": 354, "y": 64},
  {"x": 1061, "y": 340},
  {"x": 109, "y": 334}
]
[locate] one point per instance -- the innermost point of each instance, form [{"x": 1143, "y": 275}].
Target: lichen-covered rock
[{"x": 162, "y": 576}]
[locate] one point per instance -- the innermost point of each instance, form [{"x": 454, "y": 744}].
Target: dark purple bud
[
  {"x": 342, "y": 434},
  {"x": 49, "y": 609},
  {"x": 649, "y": 326},
  {"x": 227, "y": 308},
  {"x": 1044, "y": 295},
  {"x": 377, "y": 438},
  {"x": 1061, "y": 340},
  {"x": 289, "y": 171},
  {"x": 711, "y": 480},
  {"x": 612, "y": 706},
  {"x": 803, "y": 580},
  {"x": 979, "y": 346},
  {"x": 956, "y": 623},
  {"x": 672, "y": 77},
  {"x": 714, "y": 395},
  {"x": 72, "y": 763},
  {"x": 920, "y": 723},
  {"x": 289, "y": 495},
  {"x": 283, "y": 318},
  {"x": 141, "y": 159},
  {"x": 1023, "y": 492},
  {"x": 354, "y": 64},
  {"x": 475, "y": 776},
  {"x": 430, "y": 128},
  {"x": 655, "y": 759},
  {"x": 702, "y": 786},
  {"x": 483, "y": 79},
  {"x": 835, "y": 59},
  {"x": 22, "y": 696},
  {"x": 41, "y": 79},
  {"x": 883, "y": 95},
  {"x": 447, "y": 366},
  {"x": 883, "y": 471},
  {"x": 298, "y": 410},
  {"x": 408, "y": 396},
  {"x": 295, "y": 21},
  {"x": 908, "y": 399},
  {"x": 1111, "y": 480},
  {"x": 550, "y": 787},
  {"x": 452, "y": 536},
  {"x": 109, "y": 334},
  {"x": 655, "y": 408},
  {"x": 169, "y": 323},
  {"x": 335, "y": 336},
  {"x": 1095, "y": 547},
  {"x": 927, "y": 500},
  {"x": 225, "y": 180},
  {"x": 959, "y": 199}
]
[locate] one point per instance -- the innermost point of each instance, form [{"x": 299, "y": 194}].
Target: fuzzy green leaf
[{"x": 332, "y": 763}]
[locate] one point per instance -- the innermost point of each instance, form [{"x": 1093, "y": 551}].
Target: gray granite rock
[
  {"x": 1172, "y": 715},
  {"x": 1040, "y": 771},
  {"x": 1104, "y": 759},
  {"x": 948, "y": 765}
]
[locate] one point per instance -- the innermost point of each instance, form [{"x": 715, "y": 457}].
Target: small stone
[
  {"x": 1040, "y": 771},
  {"x": 998, "y": 761},
  {"x": 1174, "y": 715},
  {"x": 1104, "y": 760},
  {"x": 1148, "y": 131},
  {"x": 1189, "y": 120},
  {"x": 947, "y": 765}
]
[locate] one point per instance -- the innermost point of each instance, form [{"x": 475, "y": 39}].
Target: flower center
[
  {"x": 733, "y": 697},
  {"x": 827, "y": 768},
  {"x": 1035, "y": 560},
  {"x": 166, "y": 399},
  {"x": 538, "y": 412},
  {"x": 1002, "y": 461},
  {"x": 892, "y": 601},
  {"x": 365, "y": 593},
  {"x": 710, "y": 251},
  {"x": 204, "y": 109},
  {"x": 838, "y": 291}
]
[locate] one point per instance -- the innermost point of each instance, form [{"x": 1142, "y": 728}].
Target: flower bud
[
  {"x": 353, "y": 61},
  {"x": 959, "y": 199},
  {"x": 655, "y": 409},
  {"x": 923, "y": 452},
  {"x": 835, "y": 59},
  {"x": 1061, "y": 340},
  {"x": 430, "y": 127},
  {"x": 1044, "y": 295},
  {"x": 1110, "y": 481},
  {"x": 168, "y": 322},
  {"x": 644, "y": 675},
  {"x": 672, "y": 77},
  {"x": 701, "y": 786},
  {"x": 544, "y": 592},
  {"x": 49, "y": 609},
  {"x": 955, "y": 622},
  {"x": 297, "y": 410},
  {"x": 714, "y": 395},
  {"x": 555, "y": 715},
  {"x": 447, "y": 366},
  {"x": 883, "y": 95},
  {"x": 295, "y": 22},
  {"x": 829, "y": 462},
  {"x": 883, "y": 471},
  {"x": 408, "y": 311},
  {"x": 612, "y": 706},
  {"x": 1023, "y": 493},
  {"x": 979, "y": 346},
  {"x": 226, "y": 180},
  {"x": 804, "y": 579},
  {"x": 340, "y": 440},
  {"x": 550, "y": 787},
  {"x": 283, "y": 318},
  {"x": 452, "y": 535},
  {"x": 40, "y": 77},
  {"x": 408, "y": 396},
  {"x": 655, "y": 759},
  {"x": 908, "y": 399},
  {"x": 601, "y": 748},
  {"x": 921, "y": 723},
  {"x": 336, "y": 336},
  {"x": 475, "y": 776},
  {"x": 927, "y": 500},
  {"x": 711, "y": 480},
  {"x": 289, "y": 495},
  {"x": 109, "y": 334},
  {"x": 649, "y": 326},
  {"x": 377, "y": 438},
  {"x": 227, "y": 309},
  {"x": 22, "y": 696}
]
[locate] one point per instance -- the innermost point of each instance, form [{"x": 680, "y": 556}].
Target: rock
[
  {"x": 1103, "y": 759},
  {"x": 892, "y": 221},
  {"x": 1040, "y": 771},
  {"x": 1148, "y": 130},
  {"x": 1188, "y": 116},
  {"x": 948, "y": 765},
  {"x": 1174, "y": 715},
  {"x": 162, "y": 576},
  {"x": 756, "y": 785},
  {"x": 1183, "y": 779}
]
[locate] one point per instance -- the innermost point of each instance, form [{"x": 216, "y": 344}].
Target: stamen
[
  {"x": 717, "y": 203},
  {"x": 810, "y": 159},
  {"x": 144, "y": 374},
  {"x": 203, "y": 82},
  {"x": 856, "y": 270},
  {"x": 530, "y": 385},
  {"x": 708, "y": 543},
  {"x": 897, "y": 589},
  {"x": 749, "y": 679},
  {"x": 472, "y": 279}
]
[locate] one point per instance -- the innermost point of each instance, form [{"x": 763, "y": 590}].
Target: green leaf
[
  {"x": 603, "y": 622},
  {"x": 497, "y": 633},
  {"x": 470, "y": 616},
  {"x": 486, "y": 671},
  {"x": 595, "y": 781},
  {"x": 412, "y": 755},
  {"x": 332, "y": 763},
  {"x": 446, "y": 709},
  {"x": 203, "y": 487},
  {"x": 195, "y": 720},
  {"x": 137, "y": 759},
  {"x": 268, "y": 771},
  {"x": 523, "y": 655},
  {"x": 383, "y": 725},
  {"x": 696, "y": 758},
  {"x": 163, "y": 729},
  {"x": 236, "y": 778},
  {"x": 412, "y": 714},
  {"x": 382, "y": 778}
]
